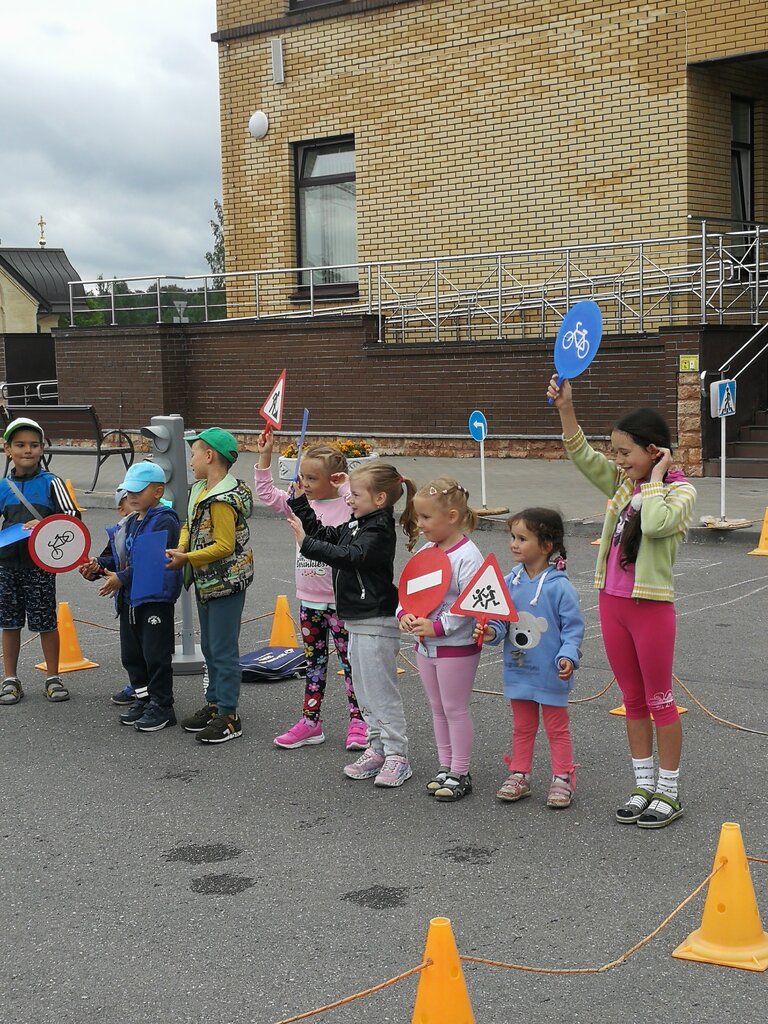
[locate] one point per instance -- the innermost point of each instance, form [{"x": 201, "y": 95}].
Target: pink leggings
[
  {"x": 639, "y": 639},
  {"x": 448, "y": 683},
  {"x": 525, "y": 725}
]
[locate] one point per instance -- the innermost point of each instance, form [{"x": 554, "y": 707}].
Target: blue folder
[
  {"x": 13, "y": 534},
  {"x": 148, "y": 560}
]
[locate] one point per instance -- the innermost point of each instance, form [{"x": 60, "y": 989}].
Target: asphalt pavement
[{"x": 149, "y": 878}]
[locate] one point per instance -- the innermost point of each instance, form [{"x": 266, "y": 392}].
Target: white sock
[
  {"x": 643, "y": 769},
  {"x": 668, "y": 782}
]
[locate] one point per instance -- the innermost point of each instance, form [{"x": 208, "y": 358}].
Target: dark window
[
  {"x": 325, "y": 210},
  {"x": 742, "y": 160}
]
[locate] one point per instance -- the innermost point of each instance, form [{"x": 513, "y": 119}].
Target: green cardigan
[{"x": 665, "y": 516}]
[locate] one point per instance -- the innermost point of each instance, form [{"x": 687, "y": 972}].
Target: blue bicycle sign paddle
[{"x": 578, "y": 340}]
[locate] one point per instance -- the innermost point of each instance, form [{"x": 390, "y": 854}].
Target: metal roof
[{"x": 45, "y": 274}]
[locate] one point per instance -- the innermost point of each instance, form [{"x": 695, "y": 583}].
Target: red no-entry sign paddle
[{"x": 424, "y": 582}]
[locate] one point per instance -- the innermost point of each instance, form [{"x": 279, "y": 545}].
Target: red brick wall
[{"x": 221, "y": 374}]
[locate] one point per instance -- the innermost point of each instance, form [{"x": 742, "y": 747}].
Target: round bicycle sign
[{"x": 59, "y": 543}]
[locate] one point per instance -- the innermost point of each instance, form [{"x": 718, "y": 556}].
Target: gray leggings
[{"x": 374, "y": 670}]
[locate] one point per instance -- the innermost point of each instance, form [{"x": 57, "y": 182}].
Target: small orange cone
[
  {"x": 73, "y": 496},
  {"x": 762, "y": 544},
  {"x": 441, "y": 997},
  {"x": 70, "y": 656},
  {"x": 731, "y": 933},
  {"x": 283, "y": 634}
]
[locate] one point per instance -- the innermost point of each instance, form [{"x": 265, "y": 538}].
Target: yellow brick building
[{"x": 487, "y": 125}]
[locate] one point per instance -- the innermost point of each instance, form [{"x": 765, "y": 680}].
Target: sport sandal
[
  {"x": 515, "y": 788},
  {"x": 662, "y": 810},
  {"x": 11, "y": 691},
  {"x": 454, "y": 787},
  {"x": 55, "y": 690},
  {"x": 560, "y": 794},
  {"x": 638, "y": 802},
  {"x": 437, "y": 782}
]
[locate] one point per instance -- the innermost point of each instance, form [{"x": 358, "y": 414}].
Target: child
[
  {"x": 215, "y": 552},
  {"x": 147, "y": 626},
  {"x": 446, "y": 655},
  {"x": 650, "y": 510},
  {"x": 321, "y": 472},
  {"x": 27, "y": 495},
  {"x": 541, "y": 652},
  {"x": 94, "y": 569},
  {"x": 361, "y": 553}
]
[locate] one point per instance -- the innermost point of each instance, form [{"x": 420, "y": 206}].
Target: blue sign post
[
  {"x": 722, "y": 403},
  {"x": 478, "y": 431}
]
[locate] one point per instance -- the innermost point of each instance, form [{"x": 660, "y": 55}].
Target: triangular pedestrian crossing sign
[
  {"x": 486, "y": 595},
  {"x": 272, "y": 410}
]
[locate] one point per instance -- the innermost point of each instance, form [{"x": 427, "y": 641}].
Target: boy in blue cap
[
  {"x": 147, "y": 630},
  {"x": 215, "y": 553},
  {"x": 27, "y": 495}
]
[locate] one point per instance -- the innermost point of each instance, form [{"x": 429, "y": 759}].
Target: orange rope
[
  {"x": 611, "y": 964},
  {"x": 357, "y": 995},
  {"x": 722, "y": 721},
  {"x": 577, "y": 700},
  {"x": 758, "y": 860},
  {"x": 98, "y": 625}
]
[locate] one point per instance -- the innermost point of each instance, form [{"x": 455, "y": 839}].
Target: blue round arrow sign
[
  {"x": 578, "y": 339},
  {"x": 478, "y": 426}
]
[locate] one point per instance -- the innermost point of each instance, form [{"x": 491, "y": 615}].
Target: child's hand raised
[
  {"x": 265, "y": 442},
  {"x": 561, "y": 394},
  {"x": 298, "y": 530},
  {"x": 339, "y": 479}
]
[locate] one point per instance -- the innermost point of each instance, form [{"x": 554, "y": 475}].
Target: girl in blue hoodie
[{"x": 541, "y": 652}]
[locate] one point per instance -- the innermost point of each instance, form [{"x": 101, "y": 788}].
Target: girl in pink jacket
[{"x": 322, "y": 475}]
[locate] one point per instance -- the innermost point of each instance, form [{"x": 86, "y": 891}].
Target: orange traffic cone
[
  {"x": 70, "y": 656},
  {"x": 73, "y": 496},
  {"x": 731, "y": 933},
  {"x": 621, "y": 711},
  {"x": 283, "y": 633},
  {"x": 441, "y": 997},
  {"x": 762, "y": 544}
]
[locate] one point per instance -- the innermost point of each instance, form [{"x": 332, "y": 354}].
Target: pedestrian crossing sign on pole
[
  {"x": 486, "y": 596},
  {"x": 272, "y": 410},
  {"x": 722, "y": 398}
]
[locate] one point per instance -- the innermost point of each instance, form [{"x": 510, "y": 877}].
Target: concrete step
[
  {"x": 756, "y": 469},
  {"x": 754, "y": 433},
  {"x": 748, "y": 450}
]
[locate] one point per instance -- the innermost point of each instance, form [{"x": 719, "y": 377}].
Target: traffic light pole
[{"x": 169, "y": 451}]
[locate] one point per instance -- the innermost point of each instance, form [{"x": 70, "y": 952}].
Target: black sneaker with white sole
[
  {"x": 220, "y": 729},
  {"x": 155, "y": 718},
  {"x": 199, "y": 720},
  {"x": 132, "y": 714}
]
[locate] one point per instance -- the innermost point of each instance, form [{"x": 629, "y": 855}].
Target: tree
[{"x": 216, "y": 257}]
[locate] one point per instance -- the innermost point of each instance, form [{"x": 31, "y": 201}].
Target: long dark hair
[
  {"x": 645, "y": 427},
  {"x": 546, "y": 524}
]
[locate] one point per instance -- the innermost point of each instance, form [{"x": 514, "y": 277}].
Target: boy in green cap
[{"x": 214, "y": 551}]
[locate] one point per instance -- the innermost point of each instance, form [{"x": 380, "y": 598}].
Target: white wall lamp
[{"x": 258, "y": 126}]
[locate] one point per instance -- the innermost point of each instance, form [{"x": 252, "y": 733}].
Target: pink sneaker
[
  {"x": 366, "y": 766},
  {"x": 305, "y": 733},
  {"x": 357, "y": 734},
  {"x": 394, "y": 772}
]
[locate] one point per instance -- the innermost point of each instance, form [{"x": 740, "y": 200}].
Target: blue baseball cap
[{"x": 141, "y": 475}]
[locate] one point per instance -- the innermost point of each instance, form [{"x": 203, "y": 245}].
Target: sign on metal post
[
  {"x": 722, "y": 403},
  {"x": 478, "y": 431}
]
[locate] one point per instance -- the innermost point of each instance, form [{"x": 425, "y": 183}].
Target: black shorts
[{"x": 27, "y": 593}]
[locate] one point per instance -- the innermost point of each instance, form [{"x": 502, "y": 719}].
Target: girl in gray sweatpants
[{"x": 361, "y": 553}]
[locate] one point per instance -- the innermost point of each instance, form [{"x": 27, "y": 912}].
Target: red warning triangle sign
[
  {"x": 272, "y": 410},
  {"x": 486, "y": 595}
]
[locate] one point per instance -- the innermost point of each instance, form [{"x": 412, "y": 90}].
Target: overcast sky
[{"x": 109, "y": 128}]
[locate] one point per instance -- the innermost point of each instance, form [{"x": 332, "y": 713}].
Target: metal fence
[{"x": 710, "y": 277}]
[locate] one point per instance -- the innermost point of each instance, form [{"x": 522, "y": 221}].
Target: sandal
[
  {"x": 11, "y": 691},
  {"x": 637, "y": 804},
  {"x": 515, "y": 788},
  {"x": 661, "y": 811},
  {"x": 455, "y": 787},
  {"x": 560, "y": 793},
  {"x": 55, "y": 691},
  {"x": 439, "y": 780}
]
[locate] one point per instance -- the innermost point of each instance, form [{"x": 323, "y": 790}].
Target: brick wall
[
  {"x": 496, "y": 124},
  {"x": 216, "y": 374}
]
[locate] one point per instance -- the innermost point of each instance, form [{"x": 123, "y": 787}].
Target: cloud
[{"x": 110, "y": 129}]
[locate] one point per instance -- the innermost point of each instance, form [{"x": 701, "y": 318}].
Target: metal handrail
[{"x": 38, "y": 385}]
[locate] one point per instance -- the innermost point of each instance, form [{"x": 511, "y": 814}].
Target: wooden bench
[{"x": 75, "y": 421}]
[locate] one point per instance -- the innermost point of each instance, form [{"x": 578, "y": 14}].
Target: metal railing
[
  {"x": 710, "y": 277},
  {"x": 29, "y": 391}
]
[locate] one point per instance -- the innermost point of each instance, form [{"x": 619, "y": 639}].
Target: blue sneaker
[
  {"x": 125, "y": 696},
  {"x": 155, "y": 718},
  {"x": 134, "y": 712}
]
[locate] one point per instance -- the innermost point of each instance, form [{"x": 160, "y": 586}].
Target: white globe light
[{"x": 258, "y": 125}]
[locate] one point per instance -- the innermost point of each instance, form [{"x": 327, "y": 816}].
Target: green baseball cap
[
  {"x": 220, "y": 440},
  {"x": 22, "y": 423}
]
